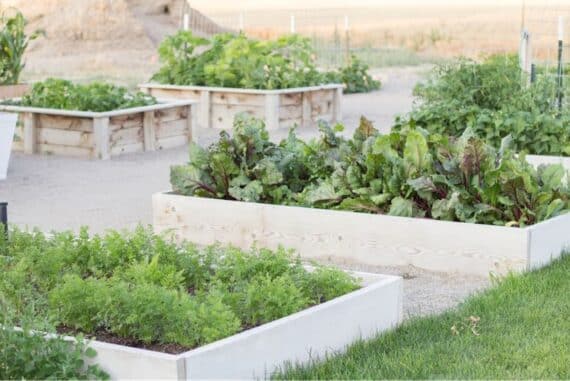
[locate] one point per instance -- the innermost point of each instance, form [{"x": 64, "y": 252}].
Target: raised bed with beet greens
[{"x": 445, "y": 204}]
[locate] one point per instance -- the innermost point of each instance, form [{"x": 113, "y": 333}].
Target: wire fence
[
  {"x": 547, "y": 54},
  {"x": 385, "y": 36}
]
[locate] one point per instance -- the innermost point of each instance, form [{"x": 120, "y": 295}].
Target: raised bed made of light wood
[
  {"x": 101, "y": 135},
  {"x": 253, "y": 354},
  {"x": 537, "y": 160},
  {"x": 346, "y": 237},
  {"x": 13, "y": 91},
  {"x": 302, "y": 106}
]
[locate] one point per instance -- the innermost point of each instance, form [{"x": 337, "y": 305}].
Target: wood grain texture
[
  {"x": 279, "y": 108},
  {"x": 105, "y": 136},
  {"x": 348, "y": 237}
]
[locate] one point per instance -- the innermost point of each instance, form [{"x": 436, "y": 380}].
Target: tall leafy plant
[
  {"x": 409, "y": 173},
  {"x": 492, "y": 99},
  {"x": 13, "y": 44}
]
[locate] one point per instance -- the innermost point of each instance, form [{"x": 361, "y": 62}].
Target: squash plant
[
  {"x": 13, "y": 44},
  {"x": 411, "y": 173}
]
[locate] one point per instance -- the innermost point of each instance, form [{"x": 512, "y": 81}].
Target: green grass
[{"x": 523, "y": 332}]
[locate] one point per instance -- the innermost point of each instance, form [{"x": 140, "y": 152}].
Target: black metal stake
[
  {"x": 532, "y": 73},
  {"x": 4, "y": 217}
]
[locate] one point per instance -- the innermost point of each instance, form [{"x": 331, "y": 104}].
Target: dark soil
[{"x": 109, "y": 337}]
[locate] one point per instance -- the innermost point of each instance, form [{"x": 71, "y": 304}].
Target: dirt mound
[{"x": 87, "y": 39}]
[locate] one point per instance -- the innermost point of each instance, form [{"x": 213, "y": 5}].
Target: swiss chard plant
[
  {"x": 409, "y": 173},
  {"x": 13, "y": 44},
  {"x": 492, "y": 99},
  {"x": 96, "y": 96}
]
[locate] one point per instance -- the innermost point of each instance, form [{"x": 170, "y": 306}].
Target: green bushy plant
[
  {"x": 239, "y": 62},
  {"x": 493, "y": 100},
  {"x": 236, "y": 61},
  {"x": 146, "y": 289},
  {"x": 96, "y": 96},
  {"x": 13, "y": 43},
  {"x": 28, "y": 354},
  {"x": 355, "y": 77},
  {"x": 409, "y": 173}
]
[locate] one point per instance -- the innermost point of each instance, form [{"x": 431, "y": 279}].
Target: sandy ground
[{"x": 56, "y": 193}]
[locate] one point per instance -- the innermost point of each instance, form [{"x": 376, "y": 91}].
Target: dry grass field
[{"x": 87, "y": 39}]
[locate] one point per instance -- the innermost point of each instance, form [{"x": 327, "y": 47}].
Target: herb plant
[
  {"x": 409, "y": 173},
  {"x": 13, "y": 44},
  {"x": 96, "y": 96},
  {"x": 492, "y": 99},
  {"x": 144, "y": 290}
]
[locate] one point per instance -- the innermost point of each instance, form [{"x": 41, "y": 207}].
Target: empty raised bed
[
  {"x": 101, "y": 135},
  {"x": 303, "y": 106}
]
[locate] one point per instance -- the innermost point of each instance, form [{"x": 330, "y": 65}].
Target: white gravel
[{"x": 57, "y": 193}]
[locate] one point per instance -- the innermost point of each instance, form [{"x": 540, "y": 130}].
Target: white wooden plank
[
  {"x": 154, "y": 86},
  {"x": 548, "y": 240},
  {"x": 65, "y": 137},
  {"x": 346, "y": 237}
]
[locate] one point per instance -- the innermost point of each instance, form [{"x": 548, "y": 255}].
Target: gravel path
[{"x": 57, "y": 193}]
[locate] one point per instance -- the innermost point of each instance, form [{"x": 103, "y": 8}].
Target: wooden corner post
[
  {"x": 149, "y": 131},
  {"x": 30, "y": 132},
  {"x": 272, "y": 111},
  {"x": 101, "y": 132},
  {"x": 204, "y": 110}
]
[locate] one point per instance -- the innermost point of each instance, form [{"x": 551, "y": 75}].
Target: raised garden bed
[
  {"x": 257, "y": 352},
  {"x": 367, "y": 239},
  {"x": 537, "y": 160},
  {"x": 13, "y": 91},
  {"x": 303, "y": 106},
  {"x": 161, "y": 310},
  {"x": 101, "y": 135}
]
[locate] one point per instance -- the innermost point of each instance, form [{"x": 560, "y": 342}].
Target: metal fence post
[{"x": 4, "y": 217}]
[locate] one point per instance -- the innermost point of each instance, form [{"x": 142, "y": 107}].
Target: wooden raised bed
[
  {"x": 101, "y": 135},
  {"x": 360, "y": 238},
  {"x": 327, "y": 328},
  {"x": 13, "y": 91},
  {"x": 537, "y": 160},
  {"x": 302, "y": 106}
]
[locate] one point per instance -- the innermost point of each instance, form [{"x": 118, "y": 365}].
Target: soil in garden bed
[{"x": 109, "y": 337}]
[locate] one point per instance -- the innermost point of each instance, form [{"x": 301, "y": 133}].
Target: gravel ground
[{"x": 57, "y": 193}]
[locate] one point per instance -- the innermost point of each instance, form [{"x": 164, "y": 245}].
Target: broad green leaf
[
  {"x": 401, "y": 207},
  {"x": 416, "y": 156}
]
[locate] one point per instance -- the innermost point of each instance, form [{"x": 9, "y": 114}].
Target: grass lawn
[{"x": 518, "y": 329}]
